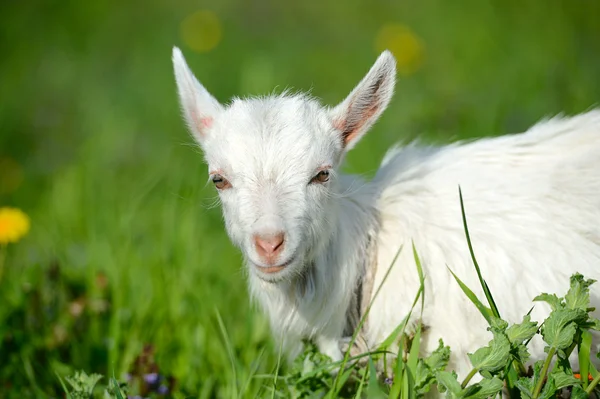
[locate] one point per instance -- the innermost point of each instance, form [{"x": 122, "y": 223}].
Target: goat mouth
[{"x": 274, "y": 269}]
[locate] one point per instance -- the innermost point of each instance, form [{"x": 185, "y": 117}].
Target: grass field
[{"x": 126, "y": 249}]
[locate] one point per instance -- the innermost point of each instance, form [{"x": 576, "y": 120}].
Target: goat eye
[
  {"x": 221, "y": 183},
  {"x": 321, "y": 177}
]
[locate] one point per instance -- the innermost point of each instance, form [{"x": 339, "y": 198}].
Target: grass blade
[
  {"x": 117, "y": 387},
  {"x": 415, "y": 347},
  {"x": 485, "y": 311},
  {"x": 64, "y": 387},
  {"x": 364, "y": 318},
  {"x": 421, "y": 275},
  {"x": 373, "y": 389},
  {"x": 229, "y": 349},
  {"x": 399, "y": 331},
  {"x": 408, "y": 390},
  {"x": 361, "y": 385},
  {"x": 398, "y": 378},
  {"x": 277, "y": 367},
  {"x": 512, "y": 372},
  {"x": 484, "y": 285}
]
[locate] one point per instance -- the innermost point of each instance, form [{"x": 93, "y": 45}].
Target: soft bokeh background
[{"x": 126, "y": 249}]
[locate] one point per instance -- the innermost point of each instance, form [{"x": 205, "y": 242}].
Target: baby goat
[{"x": 316, "y": 242}]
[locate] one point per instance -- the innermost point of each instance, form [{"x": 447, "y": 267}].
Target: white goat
[{"x": 316, "y": 241}]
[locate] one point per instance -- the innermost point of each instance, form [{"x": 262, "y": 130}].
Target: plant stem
[
  {"x": 593, "y": 384},
  {"x": 2, "y": 258},
  {"x": 468, "y": 378},
  {"x": 540, "y": 383}
]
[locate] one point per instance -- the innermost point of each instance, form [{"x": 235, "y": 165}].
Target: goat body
[{"x": 316, "y": 242}]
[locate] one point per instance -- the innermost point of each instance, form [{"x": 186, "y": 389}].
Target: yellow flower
[
  {"x": 14, "y": 224},
  {"x": 201, "y": 31},
  {"x": 404, "y": 44}
]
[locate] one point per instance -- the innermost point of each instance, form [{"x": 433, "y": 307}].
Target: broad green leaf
[
  {"x": 438, "y": 360},
  {"x": 428, "y": 367},
  {"x": 554, "y": 301},
  {"x": 594, "y": 324},
  {"x": 563, "y": 375},
  {"x": 579, "y": 393},
  {"x": 484, "y": 389},
  {"x": 563, "y": 379},
  {"x": 518, "y": 333},
  {"x": 82, "y": 384},
  {"x": 497, "y": 325},
  {"x": 448, "y": 380},
  {"x": 520, "y": 353},
  {"x": 549, "y": 389},
  {"x": 560, "y": 327},
  {"x": 424, "y": 377},
  {"x": 578, "y": 296},
  {"x": 494, "y": 357},
  {"x": 525, "y": 386}
]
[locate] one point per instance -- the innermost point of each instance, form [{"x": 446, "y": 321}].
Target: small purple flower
[
  {"x": 127, "y": 377},
  {"x": 388, "y": 381},
  {"x": 151, "y": 378},
  {"x": 162, "y": 390}
]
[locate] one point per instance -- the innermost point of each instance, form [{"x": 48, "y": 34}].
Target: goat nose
[{"x": 269, "y": 246}]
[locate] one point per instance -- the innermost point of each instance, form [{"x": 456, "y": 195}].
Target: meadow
[{"x": 126, "y": 268}]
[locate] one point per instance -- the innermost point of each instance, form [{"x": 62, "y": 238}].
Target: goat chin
[{"x": 532, "y": 204}]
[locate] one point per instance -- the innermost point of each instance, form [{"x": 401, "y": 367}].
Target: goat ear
[
  {"x": 360, "y": 110},
  {"x": 198, "y": 106}
]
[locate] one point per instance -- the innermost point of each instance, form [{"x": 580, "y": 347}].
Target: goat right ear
[
  {"x": 360, "y": 110},
  {"x": 198, "y": 106}
]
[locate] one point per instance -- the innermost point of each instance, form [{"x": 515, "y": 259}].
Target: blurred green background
[{"x": 126, "y": 248}]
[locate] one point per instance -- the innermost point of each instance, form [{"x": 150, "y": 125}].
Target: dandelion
[
  {"x": 404, "y": 44},
  {"x": 14, "y": 224},
  {"x": 201, "y": 31}
]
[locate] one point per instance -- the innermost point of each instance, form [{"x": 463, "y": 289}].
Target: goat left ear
[
  {"x": 198, "y": 106},
  {"x": 360, "y": 110}
]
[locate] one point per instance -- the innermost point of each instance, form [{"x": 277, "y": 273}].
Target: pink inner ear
[
  {"x": 351, "y": 127},
  {"x": 202, "y": 123},
  {"x": 338, "y": 124},
  {"x": 206, "y": 122}
]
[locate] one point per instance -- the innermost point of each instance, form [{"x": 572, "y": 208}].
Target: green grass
[{"x": 93, "y": 149}]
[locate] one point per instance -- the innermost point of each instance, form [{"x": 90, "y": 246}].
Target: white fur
[{"x": 532, "y": 202}]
